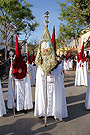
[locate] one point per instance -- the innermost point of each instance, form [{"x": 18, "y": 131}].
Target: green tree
[
  {"x": 33, "y": 44},
  {"x": 16, "y": 16},
  {"x": 74, "y": 17}
]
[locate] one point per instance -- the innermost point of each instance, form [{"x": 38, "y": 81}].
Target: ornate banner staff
[
  {"x": 11, "y": 54},
  {"x": 46, "y": 57}
]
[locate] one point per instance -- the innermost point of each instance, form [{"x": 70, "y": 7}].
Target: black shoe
[
  {"x": 15, "y": 110},
  {"x": 25, "y": 111}
]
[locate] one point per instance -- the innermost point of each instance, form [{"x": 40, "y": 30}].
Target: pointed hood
[
  {"x": 82, "y": 50},
  {"x": 53, "y": 39},
  {"x": 19, "y": 67},
  {"x": 28, "y": 57},
  {"x": 82, "y": 55},
  {"x": 79, "y": 57},
  {"x": 17, "y": 51},
  {"x": 33, "y": 57}
]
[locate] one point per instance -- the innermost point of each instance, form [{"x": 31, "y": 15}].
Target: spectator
[
  {"x": 74, "y": 63},
  {"x": 2, "y": 66}
]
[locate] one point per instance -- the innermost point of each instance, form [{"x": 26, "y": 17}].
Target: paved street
[{"x": 77, "y": 123}]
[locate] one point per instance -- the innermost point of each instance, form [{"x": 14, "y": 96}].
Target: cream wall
[{"x": 85, "y": 36}]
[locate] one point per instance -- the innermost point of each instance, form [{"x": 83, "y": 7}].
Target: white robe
[
  {"x": 2, "y": 104},
  {"x": 70, "y": 63},
  {"x": 33, "y": 73},
  {"x": 87, "y": 99},
  {"x": 56, "y": 100},
  {"x": 62, "y": 64},
  {"x": 66, "y": 65},
  {"x": 23, "y": 93},
  {"x": 81, "y": 74}
]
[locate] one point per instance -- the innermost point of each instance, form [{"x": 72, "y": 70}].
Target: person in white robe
[
  {"x": 87, "y": 99},
  {"x": 81, "y": 73},
  {"x": 33, "y": 73},
  {"x": 23, "y": 93},
  {"x": 66, "y": 64},
  {"x": 56, "y": 100},
  {"x": 62, "y": 62},
  {"x": 81, "y": 69},
  {"x": 70, "y": 63},
  {"x": 22, "y": 85},
  {"x": 2, "y": 104}
]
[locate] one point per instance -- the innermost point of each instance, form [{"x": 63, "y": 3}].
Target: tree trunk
[{"x": 5, "y": 52}]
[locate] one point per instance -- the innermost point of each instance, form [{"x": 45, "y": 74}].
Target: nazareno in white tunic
[
  {"x": 2, "y": 104},
  {"x": 66, "y": 65},
  {"x": 56, "y": 100},
  {"x": 87, "y": 99},
  {"x": 23, "y": 93},
  {"x": 81, "y": 74}
]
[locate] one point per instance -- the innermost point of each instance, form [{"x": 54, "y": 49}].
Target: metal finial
[
  {"x": 46, "y": 15},
  {"x": 11, "y": 53}
]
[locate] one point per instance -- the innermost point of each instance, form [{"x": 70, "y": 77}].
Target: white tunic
[
  {"x": 56, "y": 100},
  {"x": 33, "y": 73},
  {"x": 2, "y": 104},
  {"x": 81, "y": 74},
  {"x": 87, "y": 99},
  {"x": 66, "y": 65},
  {"x": 23, "y": 93},
  {"x": 70, "y": 63}
]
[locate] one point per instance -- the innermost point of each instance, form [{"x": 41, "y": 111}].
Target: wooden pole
[{"x": 45, "y": 100}]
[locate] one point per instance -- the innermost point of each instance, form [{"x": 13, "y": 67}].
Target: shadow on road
[
  {"x": 69, "y": 85},
  {"x": 76, "y": 107},
  {"x": 76, "y": 111},
  {"x": 72, "y": 99},
  {"x": 27, "y": 126},
  {"x": 4, "y": 85}
]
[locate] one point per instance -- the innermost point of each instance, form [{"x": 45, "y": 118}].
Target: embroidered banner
[{"x": 46, "y": 57}]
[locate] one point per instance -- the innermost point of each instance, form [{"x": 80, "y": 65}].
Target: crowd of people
[
  {"x": 23, "y": 75},
  {"x": 4, "y": 66}
]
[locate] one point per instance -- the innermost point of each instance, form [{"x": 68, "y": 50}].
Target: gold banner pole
[{"x": 45, "y": 100}]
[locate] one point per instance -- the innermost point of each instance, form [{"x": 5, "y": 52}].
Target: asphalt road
[{"x": 77, "y": 123}]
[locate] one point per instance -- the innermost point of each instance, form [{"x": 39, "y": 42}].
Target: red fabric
[
  {"x": 81, "y": 56},
  {"x": 78, "y": 58},
  {"x": 84, "y": 58},
  {"x": 17, "y": 51},
  {"x": 82, "y": 50},
  {"x": 53, "y": 39},
  {"x": 19, "y": 67},
  {"x": 33, "y": 57},
  {"x": 28, "y": 57},
  {"x": 66, "y": 57}
]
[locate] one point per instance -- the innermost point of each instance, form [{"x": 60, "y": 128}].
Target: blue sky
[{"x": 38, "y": 10}]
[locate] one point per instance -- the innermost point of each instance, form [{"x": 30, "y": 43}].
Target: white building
[{"x": 79, "y": 43}]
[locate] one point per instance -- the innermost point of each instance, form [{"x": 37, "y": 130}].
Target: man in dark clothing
[{"x": 1, "y": 66}]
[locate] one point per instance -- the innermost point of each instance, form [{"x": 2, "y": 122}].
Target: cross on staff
[{"x": 11, "y": 54}]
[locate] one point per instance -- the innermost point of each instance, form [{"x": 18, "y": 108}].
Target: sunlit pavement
[{"x": 77, "y": 123}]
